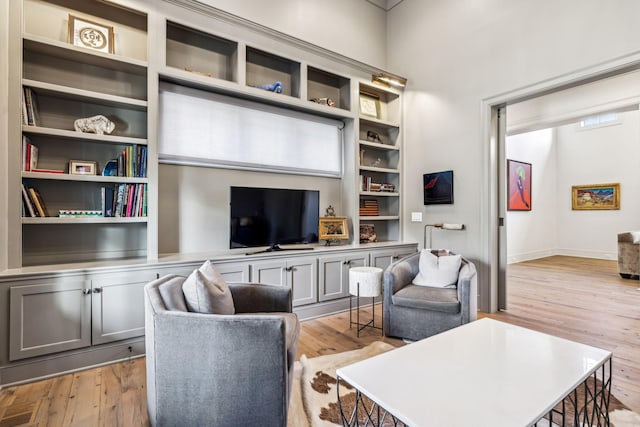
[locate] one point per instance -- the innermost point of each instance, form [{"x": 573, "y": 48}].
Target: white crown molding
[{"x": 210, "y": 11}]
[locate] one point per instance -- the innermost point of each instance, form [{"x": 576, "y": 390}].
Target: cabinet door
[
  {"x": 234, "y": 272},
  {"x": 118, "y": 307},
  {"x": 382, "y": 259},
  {"x": 303, "y": 281},
  {"x": 332, "y": 280},
  {"x": 270, "y": 273},
  {"x": 50, "y": 317}
]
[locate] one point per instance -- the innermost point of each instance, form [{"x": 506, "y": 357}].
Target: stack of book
[
  {"x": 369, "y": 208},
  {"x": 132, "y": 162},
  {"x": 29, "y": 155},
  {"x": 32, "y": 203},
  {"x": 78, "y": 213},
  {"x": 124, "y": 200},
  {"x": 389, "y": 188},
  {"x": 29, "y": 110},
  {"x": 366, "y": 184}
]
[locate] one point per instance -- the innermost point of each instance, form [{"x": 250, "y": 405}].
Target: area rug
[{"x": 314, "y": 401}]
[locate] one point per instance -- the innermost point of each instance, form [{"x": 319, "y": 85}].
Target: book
[
  {"x": 37, "y": 201},
  {"x": 107, "y": 201},
  {"x": 29, "y": 154},
  {"x": 79, "y": 213},
  {"x": 119, "y": 200},
  {"x": 27, "y": 202},
  {"x": 25, "y": 120},
  {"x": 47, "y": 170},
  {"x": 30, "y": 102}
]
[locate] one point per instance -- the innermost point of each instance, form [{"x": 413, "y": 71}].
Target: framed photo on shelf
[
  {"x": 518, "y": 186},
  {"x": 81, "y": 167},
  {"x": 333, "y": 228},
  {"x": 369, "y": 105},
  {"x": 90, "y": 34},
  {"x": 595, "y": 197}
]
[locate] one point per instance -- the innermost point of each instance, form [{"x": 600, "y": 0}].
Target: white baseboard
[{"x": 529, "y": 256}]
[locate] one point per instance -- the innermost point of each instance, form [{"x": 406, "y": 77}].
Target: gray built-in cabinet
[{"x": 71, "y": 287}]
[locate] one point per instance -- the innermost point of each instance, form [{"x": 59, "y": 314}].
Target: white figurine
[{"x": 97, "y": 124}]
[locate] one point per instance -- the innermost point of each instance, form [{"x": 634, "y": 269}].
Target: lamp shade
[{"x": 368, "y": 278}]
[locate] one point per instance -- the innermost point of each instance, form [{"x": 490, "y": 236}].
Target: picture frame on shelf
[
  {"x": 90, "y": 34},
  {"x": 333, "y": 228},
  {"x": 595, "y": 197},
  {"x": 369, "y": 105},
  {"x": 518, "y": 185},
  {"x": 82, "y": 167}
]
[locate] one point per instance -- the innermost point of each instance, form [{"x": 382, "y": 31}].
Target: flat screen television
[
  {"x": 273, "y": 216},
  {"x": 438, "y": 188}
]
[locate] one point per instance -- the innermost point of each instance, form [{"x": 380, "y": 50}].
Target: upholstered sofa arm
[
  {"x": 400, "y": 274},
  {"x": 260, "y": 298},
  {"x": 468, "y": 291}
]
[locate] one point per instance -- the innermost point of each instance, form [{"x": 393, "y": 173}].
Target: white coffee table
[{"x": 484, "y": 373}]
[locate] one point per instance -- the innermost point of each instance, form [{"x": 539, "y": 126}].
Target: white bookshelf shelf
[
  {"x": 84, "y": 178},
  {"x": 52, "y": 220},
  {"x": 70, "y": 134},
  {"x": 84, "y": 95},
  {"x": 378, "y": 146}
]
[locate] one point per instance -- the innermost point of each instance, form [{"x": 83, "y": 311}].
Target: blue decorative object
[
  {"x": 273, "y": 87},
  {"x": 110, "y": 168}
]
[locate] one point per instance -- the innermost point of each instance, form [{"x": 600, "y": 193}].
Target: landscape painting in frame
[
  {"x": 518, "y": 185},
  {"x": 595, "y": 197}
]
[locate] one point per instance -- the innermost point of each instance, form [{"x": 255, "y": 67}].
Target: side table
[{"x": 364, "y": 282}]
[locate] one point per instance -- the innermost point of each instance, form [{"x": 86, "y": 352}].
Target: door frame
[{"x": 493, "y": 236}]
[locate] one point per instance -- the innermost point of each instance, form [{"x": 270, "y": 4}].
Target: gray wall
[
  {"x": 194, "y": 203},
  {"x": 354, "y": 28}
]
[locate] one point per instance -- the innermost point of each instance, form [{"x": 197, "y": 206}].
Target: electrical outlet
[{"x": 416, "y": 216}]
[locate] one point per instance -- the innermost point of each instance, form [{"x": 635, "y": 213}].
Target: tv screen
[
  {"x": 438, "y": 188},
  {"x": 272, "y": 216}
]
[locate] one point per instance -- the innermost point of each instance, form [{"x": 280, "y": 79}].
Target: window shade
[{"x": 209, "y": 129}]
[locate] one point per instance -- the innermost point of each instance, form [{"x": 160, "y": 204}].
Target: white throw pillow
[
  {"x": 205, "y": 291},
  {"x": 438, "y": 271}
]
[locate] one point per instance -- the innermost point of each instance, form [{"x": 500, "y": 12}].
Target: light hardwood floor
[{"x": 579, "y": 299}]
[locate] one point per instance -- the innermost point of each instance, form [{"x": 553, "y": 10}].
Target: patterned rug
[{"x": 314, "y": 402}]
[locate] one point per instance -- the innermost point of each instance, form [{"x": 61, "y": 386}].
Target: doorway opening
[{"x": 499, "y": 123}]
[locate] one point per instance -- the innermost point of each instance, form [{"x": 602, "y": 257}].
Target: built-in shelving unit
[
  {"x": 264, "y": 69},
  {"x": 66, "y": 83},
  {"x": 379, "y": 161},
  {"x": 200, "y": 53}
]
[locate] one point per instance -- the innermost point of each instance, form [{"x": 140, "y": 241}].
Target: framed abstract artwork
[
  {"x": 518, "y": 185},
  {"x": 595, "y": 197},
  {"x": 438, "y": 188}
]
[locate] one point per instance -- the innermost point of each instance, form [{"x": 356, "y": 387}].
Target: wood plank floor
[{"x": 579, "y": 299}]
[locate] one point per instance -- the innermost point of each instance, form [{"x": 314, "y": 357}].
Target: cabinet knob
[
  {"x": 289, "y": 269},
  {"x": 97, "y": 290},
  {"x": 347, "y": 262},
  {"x": 86, "y": 291}
]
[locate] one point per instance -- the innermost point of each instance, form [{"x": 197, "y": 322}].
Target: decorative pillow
[
  {"x": 205, "y": 291},
  {"x": 438, "y": 271}
]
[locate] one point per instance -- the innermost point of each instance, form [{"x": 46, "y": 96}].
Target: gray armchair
[
  {"x": 219, "y": 370},
  {"x": 416, "y": 312}
]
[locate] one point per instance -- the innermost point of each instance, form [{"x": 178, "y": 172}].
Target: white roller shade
[{"x": 204, "y": 128}]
